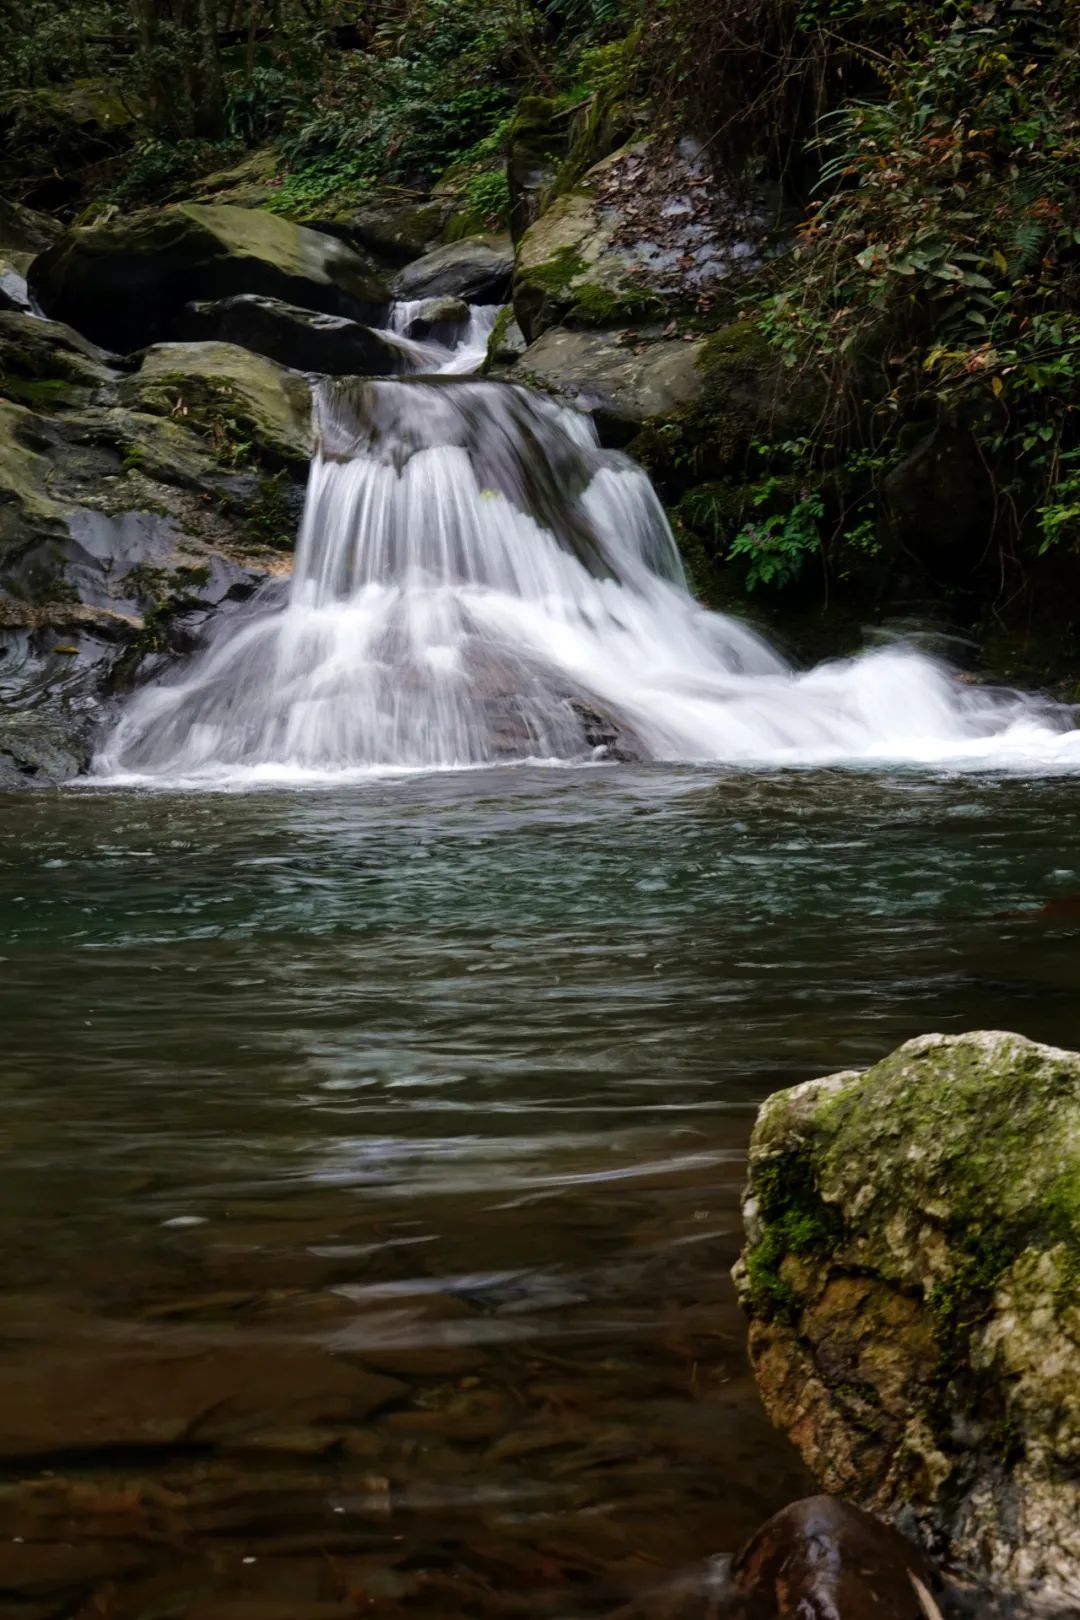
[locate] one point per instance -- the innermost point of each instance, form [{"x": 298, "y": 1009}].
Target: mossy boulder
[
  {"x": 912, "y": 1277},
  {"x": 125, "y": 283},
  {"x": 477, "y": 269},
  {"x": 131, "y": 507},
  {"x": 57, "y": 139},
  {"x": 46, "y": 365},
  {"x": 248, "y": 408},
  {"x": 625, "y": 385},
  {"x": 645, "y": 232}
]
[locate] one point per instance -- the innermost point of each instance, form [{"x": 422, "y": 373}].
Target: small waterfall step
[{"x": 477, "y": 581}]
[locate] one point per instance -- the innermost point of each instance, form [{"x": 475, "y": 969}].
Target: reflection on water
[{"x": 372, "y": 1162}]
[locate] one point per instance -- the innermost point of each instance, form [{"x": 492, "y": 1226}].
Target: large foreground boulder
[
  {"x": 125, "y": 284},
  {"x": 132, "y": 508},
  {"x": 912, "y": 1276}
]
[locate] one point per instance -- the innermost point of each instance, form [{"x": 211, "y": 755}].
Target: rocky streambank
[{"x": 912, "y": 1279}]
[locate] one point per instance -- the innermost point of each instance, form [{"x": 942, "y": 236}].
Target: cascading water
[{"x": 478, "y": 581}]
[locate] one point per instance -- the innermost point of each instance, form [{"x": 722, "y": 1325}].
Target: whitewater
[{"x": 478, "y": 582}]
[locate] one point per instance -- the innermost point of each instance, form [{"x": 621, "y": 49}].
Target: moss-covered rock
[
  {"x": 56, "y": 139},
  {"x": 121, "y": 528},
  {"x": 394, "y": 231},
  {"x": 646, "y": 231},
  {"x": 912, "y": 1276},
  {"x": 247, "y": 407},
  {"x": 625, "y": 385},
  {"x": 126, "y": 283},
  {"x": 24, "y": 233}
]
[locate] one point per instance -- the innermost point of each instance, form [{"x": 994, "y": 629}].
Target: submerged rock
[
  {"x": 302, "y": 338},
  {"x": 126, "y": 283},
  {"x": 477, "y": 269},
  {"x": 911, "y": 1276},
  {"x": 824, "y": 1558}
]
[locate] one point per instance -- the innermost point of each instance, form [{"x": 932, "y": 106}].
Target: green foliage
[
  {"x": 487, "y": 196},
  {"x": 937, "y": 279},
  {"x": 776, "y": 545},
  {"x": 160, "y": 167}
]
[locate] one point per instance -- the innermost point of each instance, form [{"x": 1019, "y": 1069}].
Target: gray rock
[
  {"x": 302, "y": 338},
  {"x": 913, "y": 1250},
  {"x": 394, "y": 232},
  {"x": 437, "y": 318},
  {"x": 24, "y": 233},
  {"x": 128, "y": 516},
  {"x": 623, "y": 385},
  {"x": 477, "y": 269},
  {"x": 126, "y": 283},
  {"x": 646, "y": 229}
]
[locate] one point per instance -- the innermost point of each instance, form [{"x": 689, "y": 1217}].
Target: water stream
[
  {"x": 375, "y": 1137},
  {"x": 477, "y": 581}
]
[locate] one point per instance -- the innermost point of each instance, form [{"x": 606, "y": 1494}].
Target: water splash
[{"x": 477, "y": 581}]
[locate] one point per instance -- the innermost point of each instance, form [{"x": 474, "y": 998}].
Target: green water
[{"x": 372, "y": 1161}]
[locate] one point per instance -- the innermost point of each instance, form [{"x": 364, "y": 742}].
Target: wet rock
[
  {"x": 302, "y": 338},
  {"x": 477, "y": 269},
  {"x": 24, "y": 233},
  {"x": 506, "y": 343},
  {"x": 913, "y": 1236},
  {"x": 437, "y": 318},
  {"x": 622, "y": 384},
  {"x": 823, "y": 1557},
  {"x": 126, "y": 283},
  {"x": 121, "y": 530}
]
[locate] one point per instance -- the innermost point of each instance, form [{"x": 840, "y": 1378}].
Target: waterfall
[{"x": 478, "y": 581}]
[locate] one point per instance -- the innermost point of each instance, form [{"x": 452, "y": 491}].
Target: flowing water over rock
[{"x": 477, "y": 581}]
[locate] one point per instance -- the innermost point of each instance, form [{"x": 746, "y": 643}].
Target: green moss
[
  {"x": 796, "y": 1221},
  {"x": 600, "y": 306},
  {"x": 37, "y": 393},
  {"x": 554, "y": 275}
]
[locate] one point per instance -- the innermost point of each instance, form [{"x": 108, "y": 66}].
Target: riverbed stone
[
  {"x": 395, "y": 231},
  {"x": 126, "y": 283},
  {"x": 623, "y": 383},
  {"x": 911, "y": 1277},
  {"x": 477, "y": 269},
  {"x": 304, "y": 339}
]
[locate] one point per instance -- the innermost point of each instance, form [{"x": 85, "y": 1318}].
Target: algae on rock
[{"x": 912, "y": 1277}]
